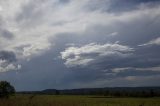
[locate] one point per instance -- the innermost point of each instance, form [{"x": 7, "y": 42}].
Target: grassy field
[{"x": 51, "y": 100}]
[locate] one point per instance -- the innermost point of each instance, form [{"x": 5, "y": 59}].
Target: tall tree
[{"x": 6, "y": 89}]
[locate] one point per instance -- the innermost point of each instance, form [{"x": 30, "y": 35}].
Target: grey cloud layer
[
  {"x": 9, "y": 56},
  {"x": 33, "y": 23}
]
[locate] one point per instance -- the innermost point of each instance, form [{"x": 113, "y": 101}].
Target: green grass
[{"x": 51, "y": 100}]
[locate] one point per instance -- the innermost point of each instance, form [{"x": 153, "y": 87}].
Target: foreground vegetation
[{"x": 66, "y": 100}]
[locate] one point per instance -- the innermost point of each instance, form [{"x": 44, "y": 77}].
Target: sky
[{"x": 66, "y": 44}]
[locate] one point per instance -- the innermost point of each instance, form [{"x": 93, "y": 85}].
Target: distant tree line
[
  {"x": 110, "y": 92},
  {"x": 117, "y": 92}
]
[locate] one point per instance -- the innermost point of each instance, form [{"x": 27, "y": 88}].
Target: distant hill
[{"x": 107, "y": 91}]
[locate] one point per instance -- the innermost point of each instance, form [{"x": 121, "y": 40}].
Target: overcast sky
[{"x": 66, "y": 44}]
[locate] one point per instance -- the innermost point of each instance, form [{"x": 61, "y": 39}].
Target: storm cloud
[{"x": 79, "y": 43}]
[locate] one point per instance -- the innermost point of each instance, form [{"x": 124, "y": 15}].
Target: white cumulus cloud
[
  {"x": 152, "y": 42},
  {"x": 75, "y": 56},
  {"x": 123, "y": 69}
]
